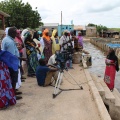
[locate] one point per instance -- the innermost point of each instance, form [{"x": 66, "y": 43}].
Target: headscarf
[
  {"x": 112, "y": 56},
  {"x": 54, "y": 32},
  {"x": 23, "y": 33},
  {"x": 44, "y": 35},
  {"x": 39, "y": 32}
]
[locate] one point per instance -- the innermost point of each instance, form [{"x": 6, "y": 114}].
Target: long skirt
[
  {"x": 19, "y": 83},
  {"x": 32, "y": 63},
  {"x": 7, "y": 96},
  {"x": 109, "y": 76}
]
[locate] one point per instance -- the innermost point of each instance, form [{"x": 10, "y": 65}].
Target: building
[
  {"x": 49, "y": 26},
  {"x": 61, "y": 29},
  {"x": 80, "y": 28},
  {"x": 2, "y": 23},
  {"x": 91, "y": 31}
]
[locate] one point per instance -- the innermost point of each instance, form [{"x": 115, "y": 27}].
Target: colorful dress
[
  {"x": 7, "y": 96},
  {"x": 110, "y": 73},
  {"x": 47, "y": 50},
  {"x": 32, "y": 57}
]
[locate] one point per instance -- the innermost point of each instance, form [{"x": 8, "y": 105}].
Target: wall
[
  {"x": 64, "y": 27},
  {"x": 91, "y": 32}
]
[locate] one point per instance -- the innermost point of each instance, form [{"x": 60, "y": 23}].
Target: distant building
[
  {"x": 2, "y": 23},
  {"x": 80, "y": 28},
  {"x": 49, "y": 26},
  {"x": 61, "y": 28},
  {"x": 91, "y": 31}
]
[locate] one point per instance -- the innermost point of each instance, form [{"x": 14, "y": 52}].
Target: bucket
[{"x": 77, "y": 57}]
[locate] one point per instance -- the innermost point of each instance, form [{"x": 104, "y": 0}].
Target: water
[{"x": 98, "y": 63}]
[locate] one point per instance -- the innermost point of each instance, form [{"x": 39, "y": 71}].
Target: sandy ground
[{"x": 38, "y": 104}]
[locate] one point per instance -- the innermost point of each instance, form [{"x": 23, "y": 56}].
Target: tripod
[{"x": 57, "y": 89}]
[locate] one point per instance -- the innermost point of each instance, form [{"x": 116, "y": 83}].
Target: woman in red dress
[{"x": 111, "y": 67}]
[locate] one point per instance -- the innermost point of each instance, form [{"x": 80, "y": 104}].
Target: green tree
[
  {"x": 91, "y": 25},
  {"x": 21, "y": 14},
  {"x": 100, "y": 28}
]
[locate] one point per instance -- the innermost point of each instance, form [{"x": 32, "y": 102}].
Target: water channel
[{"x": 98, "y": 62}]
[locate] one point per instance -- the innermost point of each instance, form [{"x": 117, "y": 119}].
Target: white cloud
[{"x": 82, "y": 12}]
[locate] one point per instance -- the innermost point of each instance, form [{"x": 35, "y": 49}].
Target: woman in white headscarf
[{"x": 24, "y": 49}]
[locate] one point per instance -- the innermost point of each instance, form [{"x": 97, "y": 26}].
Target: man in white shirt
[{"x": 64, "y": 40}]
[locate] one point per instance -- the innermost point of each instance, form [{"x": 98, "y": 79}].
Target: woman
[
  {"x": 80, "y": 40},
  {"x": 24, "y": 49},
  {"x": 55, "y": 41},
  {"x": 20, "y": 46},
  {"x": 111, "y": 67},
  {"x": 37, "y": 42},
  {"x": 42, "y": 45},
  {"x": 31, "y": 54},
  {"x": 7, "y": 95},
  {"x": 48, "y": 45}
]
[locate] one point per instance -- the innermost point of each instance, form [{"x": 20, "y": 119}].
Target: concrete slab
[{"x": 38, "y": 104}]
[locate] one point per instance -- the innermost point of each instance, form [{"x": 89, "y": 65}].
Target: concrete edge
[{"x": 98, "y": 100}]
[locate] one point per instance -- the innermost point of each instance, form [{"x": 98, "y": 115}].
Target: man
[
  {"x": 66, "y": 42},
  {"x": 44, "y": 73},
  {"x": 8, "y": 44}
]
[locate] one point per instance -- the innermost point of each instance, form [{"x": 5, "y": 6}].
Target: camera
[{"x": 63, "y": 57}]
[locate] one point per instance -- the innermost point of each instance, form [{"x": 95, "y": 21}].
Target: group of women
[{"x": 39, "y": 45}]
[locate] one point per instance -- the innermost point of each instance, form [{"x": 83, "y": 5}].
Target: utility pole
[{"x": 61, "y": 23}]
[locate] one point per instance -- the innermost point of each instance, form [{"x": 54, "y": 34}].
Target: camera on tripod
[{"x": 63, "y": 57}]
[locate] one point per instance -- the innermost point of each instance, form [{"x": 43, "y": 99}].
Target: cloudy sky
[{"x": 82, "y": 12}]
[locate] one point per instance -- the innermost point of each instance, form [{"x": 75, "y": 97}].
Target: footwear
[
  {"x": 22, "y": 80},
  {"x": 31, "y": 75},
  {"x": 70, "y": 68},
  {"x": 22, "y": 77},
  {"x": 18, "y": 93},
  {"x": 18, "y": 97}
]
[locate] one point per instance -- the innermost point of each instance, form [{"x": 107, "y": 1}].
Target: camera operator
[
  {"x": 44, "y": 73},
  {"x": 67, "y": 43}
]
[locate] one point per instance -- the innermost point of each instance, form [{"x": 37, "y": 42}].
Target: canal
[{"x": 98, "y": 62}]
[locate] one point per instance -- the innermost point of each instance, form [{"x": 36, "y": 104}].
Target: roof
[
  {"x": 51, "y": 24},
  {"x": 88, "y": 27},
  {"x": 4, "y": 14},
  {"x": 79, "y": 27}
]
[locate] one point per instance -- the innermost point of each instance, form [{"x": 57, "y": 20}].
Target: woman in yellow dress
[{"x": 55, "y": 41}]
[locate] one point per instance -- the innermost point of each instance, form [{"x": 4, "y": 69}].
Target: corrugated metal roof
[
  {"x": 51, "y": 24},
  {"x": 4, "y": 14}
]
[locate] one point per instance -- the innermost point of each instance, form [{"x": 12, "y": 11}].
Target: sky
[{"x": 82, "y": 12}]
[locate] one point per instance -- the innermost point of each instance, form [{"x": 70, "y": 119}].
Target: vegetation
[
  {"x": 21, "y": 14},
  {"x": 100, "y": 28}
]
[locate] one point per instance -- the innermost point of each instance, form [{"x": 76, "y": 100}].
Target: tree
[
  {"x": 21, "y": 14},
  {"x": 91, "y": 25},
  {"x": 100, "y": 28}
]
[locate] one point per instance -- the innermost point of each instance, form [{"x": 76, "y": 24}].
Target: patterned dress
[
  {"x": 48, "y": 49},
  {"x": 32, "y": 57},
  {"x": 7, "y": 96}
]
